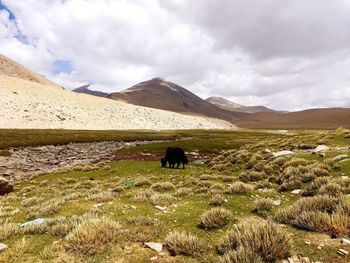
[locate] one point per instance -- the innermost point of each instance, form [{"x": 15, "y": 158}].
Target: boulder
[
  {"x": 5, "y": 186},
  {"x": 321, "y": 148},
  {"x": 282, "y": 153},
  {"x": 37, "y": 221},
  {"x": 3, "y": 247},
  {"x": 340, "y": 157},
  {"x": 155, "y": 246}
]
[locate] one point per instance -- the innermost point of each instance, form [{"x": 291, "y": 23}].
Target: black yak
[{"x": 174, "y": 156}]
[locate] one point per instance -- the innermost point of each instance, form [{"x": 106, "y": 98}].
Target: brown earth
[
  {"x": 10, "y": 68},
  {"x": 330, "y": 118}
]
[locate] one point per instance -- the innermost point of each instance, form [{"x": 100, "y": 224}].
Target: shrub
[
  {"x": 181, "y": 243},
  {"x": 140, "y": 197},
  {"x": 241, "y": 256},
  {"x": 215, "y": 218},
  {"x": 92, "y": 236},
  {"x": 183, "y": 191},
  {"x": 252, "y": 176},
  {"x": 161, "y": 199},
  {"x": 291, "y": 184},
  {"x": 7, "y": 230},
  {"x": 142, "y": 181},
  {"x": 331, "y": 189},
  {"x": 217, "y": 188},
  {"x": 262, "y": 206},
  {"x": 319, "y": 213},
  {"x": 162, "y": 186},
  {"x": 267, "y": 240},
  {"x": 217, "y": 200},
  {"x": 239, "y": 188},
  {"x": 30, "y": 201}
]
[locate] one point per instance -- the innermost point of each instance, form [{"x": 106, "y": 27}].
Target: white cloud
[{"x": 289, "y": 55}]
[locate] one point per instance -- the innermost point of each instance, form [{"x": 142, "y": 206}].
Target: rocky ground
[{"x": 26, "y": 162}]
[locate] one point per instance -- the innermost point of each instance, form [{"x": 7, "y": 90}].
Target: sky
[{"x": 286, "y": 55}]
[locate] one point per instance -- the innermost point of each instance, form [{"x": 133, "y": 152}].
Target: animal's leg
[{"x": 177, "y": 166}]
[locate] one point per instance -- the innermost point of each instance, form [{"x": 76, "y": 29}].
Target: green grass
[{"x": 182, "y": 216}]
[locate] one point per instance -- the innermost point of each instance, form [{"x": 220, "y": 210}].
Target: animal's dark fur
[{"x": 174, "y": 156}]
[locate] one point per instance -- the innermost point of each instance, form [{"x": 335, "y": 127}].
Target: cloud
[{"x": 286, "y": 55}]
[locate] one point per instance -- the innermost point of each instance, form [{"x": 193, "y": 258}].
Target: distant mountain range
[
  {"x": 232, "y": 106},
  {"x": 29, "y": 100},
  {"x": 85, "y": 89},
  {"x": 161, "y": 94}
]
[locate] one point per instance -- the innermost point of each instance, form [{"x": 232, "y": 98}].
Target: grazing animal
[{"x": 174, "y": 156}]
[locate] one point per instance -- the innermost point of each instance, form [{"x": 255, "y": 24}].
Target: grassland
[{"x": 121, "y": 196}]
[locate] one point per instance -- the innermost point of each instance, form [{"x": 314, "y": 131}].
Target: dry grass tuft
[
  {"x": 162, "y": 186},
  {"x": 215, "y": 218},
  {"x": 217, "y": 200},
  {"x": 92, "y": 236},
  {"x": 161, "y": 199},
  {"x": 239, "y": 188},
  {"x": 183, "y": 191},
  {"x": 267, "y": 240},
  {"x": 102, "y": 197},
  {"x": 262, "y": 206},
  {"x": 181, "y": 243}
]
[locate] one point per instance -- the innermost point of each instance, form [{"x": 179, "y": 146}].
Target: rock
[
  {"x": 3, "y": 247},
  {"x": 276, "y": 202},
  {"x": 5, "y": 186},
  {"x": 305, "y": 260},
  {"x": 340, "y": 157},
  {"x": 153, "y": 258},
  {"x": 37, "y": 221},
  {"x": 343, "y": 252},
  {"x": 320, "y": 148},
  {"x": 161, "y": 208},
  {"x": 345, "y": 241},
  {"x": 155, "y": 246},
  {"x": 199, "y": 161},
  {"x": 282, "y": 153},
  {"x": 296, "y": 191},
  {"x": 344, "y": 160}
]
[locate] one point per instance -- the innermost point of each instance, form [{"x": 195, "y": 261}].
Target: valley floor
[{"x": 105, "y": 212}]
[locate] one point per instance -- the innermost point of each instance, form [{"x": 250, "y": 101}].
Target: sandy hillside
[{"x": 29, "y": 104}]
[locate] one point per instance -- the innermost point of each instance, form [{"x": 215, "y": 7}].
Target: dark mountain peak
[
  {"x": 85, "y": 89},
  {"x": 161, "y": 94}
]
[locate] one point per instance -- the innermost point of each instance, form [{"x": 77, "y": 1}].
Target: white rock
[
  {"x": 155, "y": 246},
  {"x": 133, "y": 207},
  {"x": 340, "y": 157},
  {"x": 345, "y": 241},
  {"x": 161, "y": 208},
  {"x": 282, "y": 153},
  {"x": 276, "y": 202},
  {"x": 37, "y": 221},
  {"x": 343, "y": 252},
  {"x": 153, "y": 258},
  {"x": 296, "y": 191},
  {"x": 321, "y": 148},
  {"x": 3, "y": 247}
]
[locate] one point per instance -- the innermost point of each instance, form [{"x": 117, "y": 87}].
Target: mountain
[
  {"x": 328, "y": 118},
  {"x": 161, "y": 94},
  {"x": 10, "y": 68},
  {"x": 30, "y": 101},
  {"x": 85, "y": 89},
  {"x": 232, "y": 106}
]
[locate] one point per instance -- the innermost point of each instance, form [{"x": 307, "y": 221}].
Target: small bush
[
  {"x": 217, "y": 200},
  {"x": 241, "y": 256},
  {"x": 267, "y": 240},
  {"x": 161, "y": 199},
  {"x": 142, "y": 181},
  {"x": 181, "y": 243},
  {"x": 162, "y": 186},
  {"x": 239, "y": 188},
  {"x": 217, "y": 188},
  {"x": 252, "y": 176},
  {"x": 215, "y": 218},
  {"x": 92, "y": 236},
  {"x": 102, "y": 197},
  {"x": 331, "y": 189},
  {"x": 262, "y": 206},
  {"x": 183, "y": 191}
]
